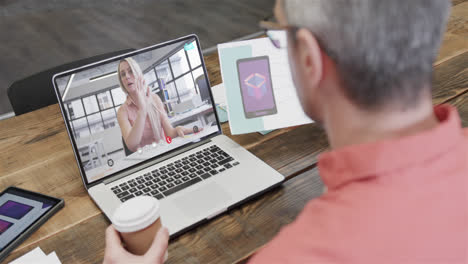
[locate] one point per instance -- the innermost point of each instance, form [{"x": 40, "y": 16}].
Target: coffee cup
[{"x": 138, "y": 221}]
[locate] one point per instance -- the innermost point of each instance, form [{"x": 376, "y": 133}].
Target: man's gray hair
[{"x": 384, "y": 49}]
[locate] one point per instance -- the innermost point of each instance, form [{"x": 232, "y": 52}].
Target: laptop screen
[{"x": 130, "y": 109}]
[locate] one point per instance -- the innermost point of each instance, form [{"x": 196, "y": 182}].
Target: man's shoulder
[
  {"x": 465, "y": 135},
  {"x": 298, "y": 241}
]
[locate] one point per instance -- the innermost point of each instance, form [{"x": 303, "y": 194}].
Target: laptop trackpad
[{"x": 202, "y": 200}]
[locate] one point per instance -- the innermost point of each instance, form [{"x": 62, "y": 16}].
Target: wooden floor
[{"x": 37, "y": 35}]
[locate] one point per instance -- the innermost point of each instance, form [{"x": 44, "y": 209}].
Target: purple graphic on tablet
[
  {"x": 4, "y": 225},
  {"x": 14, "y": 209}
]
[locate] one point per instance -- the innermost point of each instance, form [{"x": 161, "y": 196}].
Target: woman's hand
[
  {"x": 180, "y": 131},
  {"x": 143, "y": 94},
  {"x": 115, "y": 253}
]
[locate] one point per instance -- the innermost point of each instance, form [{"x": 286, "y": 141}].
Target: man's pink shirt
[{"x": 402, "y": 200}]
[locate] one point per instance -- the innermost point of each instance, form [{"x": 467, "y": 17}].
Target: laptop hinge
[{"x": 153, "y": 162}]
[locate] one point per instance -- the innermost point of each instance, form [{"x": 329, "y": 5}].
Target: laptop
[{"x": 196, "y": 175}]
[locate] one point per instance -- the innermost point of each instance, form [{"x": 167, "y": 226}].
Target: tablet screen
[{"x": 18, "y": 211}]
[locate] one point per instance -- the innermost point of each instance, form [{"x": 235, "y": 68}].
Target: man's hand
[{"x": 115, "y": 253}]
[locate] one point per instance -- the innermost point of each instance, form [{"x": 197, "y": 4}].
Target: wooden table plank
[
  {"x": 450, "y": 79},
  {"x": 456, "y": 2},
  {"x": 30, "y": 139},
  {"x": 455, "y": 39},
  {"x": 238, "y": 233},
  {"x": 212, "y": 67}
]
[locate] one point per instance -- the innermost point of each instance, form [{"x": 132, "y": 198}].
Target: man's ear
[{"x": 309, "y": 56}]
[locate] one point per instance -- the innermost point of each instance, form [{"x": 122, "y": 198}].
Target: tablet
[{"x": 21, "y": 213}]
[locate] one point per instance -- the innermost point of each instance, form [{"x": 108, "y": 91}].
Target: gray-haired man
[{"x": 397, "y": 174}]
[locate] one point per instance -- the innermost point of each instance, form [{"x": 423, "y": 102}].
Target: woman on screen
[{"x": 142, "y": 118}]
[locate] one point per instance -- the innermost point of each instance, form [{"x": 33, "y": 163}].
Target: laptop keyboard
[{"x": 177, "y": 175}]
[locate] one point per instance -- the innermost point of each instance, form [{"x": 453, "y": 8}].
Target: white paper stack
[
  {"x": 219, "y": 94},
  {"x": 37, "y": 256}
]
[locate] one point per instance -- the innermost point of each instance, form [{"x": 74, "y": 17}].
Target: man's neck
[{"x": 349, "y": 125}]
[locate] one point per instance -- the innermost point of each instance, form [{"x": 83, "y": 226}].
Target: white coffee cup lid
[{"x": 136, "y": 214}]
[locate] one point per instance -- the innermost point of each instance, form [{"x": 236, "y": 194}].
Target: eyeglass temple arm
[{"x": 270, "y": 25}]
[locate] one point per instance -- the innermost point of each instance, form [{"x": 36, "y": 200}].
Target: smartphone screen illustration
[{"x": 256, "y": 87}]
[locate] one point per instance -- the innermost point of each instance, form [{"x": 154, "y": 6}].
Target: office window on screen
[
  {"x": 178, "y": 72},
  {"x": 95, "y": 113}
]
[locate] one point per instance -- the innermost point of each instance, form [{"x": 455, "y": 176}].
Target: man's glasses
[{"x": 275, "y": 32}]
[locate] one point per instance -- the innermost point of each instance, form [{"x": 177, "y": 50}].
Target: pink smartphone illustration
[{"x": 256, "y": 87}]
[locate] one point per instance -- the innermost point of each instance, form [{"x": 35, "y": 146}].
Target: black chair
[
  {"x": 203, "y": 88},
  {"x": 37, "y": 91}
]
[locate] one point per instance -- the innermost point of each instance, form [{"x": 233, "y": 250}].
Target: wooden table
[{"x": 36, "y": 155}]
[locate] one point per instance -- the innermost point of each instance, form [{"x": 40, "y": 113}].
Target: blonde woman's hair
[{"x": 135, "y": 69}]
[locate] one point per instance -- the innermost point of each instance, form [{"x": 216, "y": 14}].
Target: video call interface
[
  {"x": 17, "y": 212},
  {"x": 135, "y": 108}
]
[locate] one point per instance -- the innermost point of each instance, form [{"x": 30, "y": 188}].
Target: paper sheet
[
  {"x": 53, "y": 259},
  {"x": 30, "y": 257},
  {"x": 278, "y": 82},
  {"x": 37, "y": 256},
  {"x": 219, "y": 94}
]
